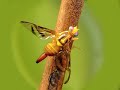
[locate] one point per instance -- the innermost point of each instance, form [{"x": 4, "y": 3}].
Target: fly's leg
[
  {"x": 69, "y": 71},
  {"x": 62, "y": 60},
  {"x": 59, "y": 61}
]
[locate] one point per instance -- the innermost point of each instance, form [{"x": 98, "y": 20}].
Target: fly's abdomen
[{"x": 51, "y": 49}]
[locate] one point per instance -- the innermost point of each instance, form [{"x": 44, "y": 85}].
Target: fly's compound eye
[
  {"x": 76, "y": 34},
  {"x": 71, "y": 28}
]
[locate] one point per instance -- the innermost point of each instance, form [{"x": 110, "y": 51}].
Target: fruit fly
[{"x": 59, "y": 39}]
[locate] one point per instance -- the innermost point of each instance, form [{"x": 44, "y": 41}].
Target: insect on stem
[{"x": 54, "y": 73}]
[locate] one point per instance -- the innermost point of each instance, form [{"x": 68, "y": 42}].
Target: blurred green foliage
[{"x": 19, "y": 48}]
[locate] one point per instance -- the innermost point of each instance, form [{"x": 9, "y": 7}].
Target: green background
[{"x": 95, "y": 66}]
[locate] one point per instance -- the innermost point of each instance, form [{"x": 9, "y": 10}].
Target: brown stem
[{"x": 69, "y": 13}]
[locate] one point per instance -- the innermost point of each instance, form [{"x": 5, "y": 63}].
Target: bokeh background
[{"x": 95, "y": 66}]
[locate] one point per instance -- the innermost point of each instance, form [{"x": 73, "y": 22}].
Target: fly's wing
[{"x": 41, "y": 32}]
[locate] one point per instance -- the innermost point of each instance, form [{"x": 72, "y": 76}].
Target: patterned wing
[{"x": 41, "y": 32}]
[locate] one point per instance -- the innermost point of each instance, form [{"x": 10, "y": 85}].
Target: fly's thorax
[
  {"x": 63, "y": 36},
  {"x": 63, "y": 39},
  {"x": 51, "y": 49}
]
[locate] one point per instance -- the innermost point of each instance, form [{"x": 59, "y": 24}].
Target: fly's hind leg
[
  {"x": 63, "y": 63},
  {"x": 68, "y": 69},
  {"x": 59, "y": 61},
  {"x": 69, "y": 73}
]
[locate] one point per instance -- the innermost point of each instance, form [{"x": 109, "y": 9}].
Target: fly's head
[{"x": 73, "y": 31}]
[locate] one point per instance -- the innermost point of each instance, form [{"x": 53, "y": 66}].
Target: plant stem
[{"x": 69, "y": 14}]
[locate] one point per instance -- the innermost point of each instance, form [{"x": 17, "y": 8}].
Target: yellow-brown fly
[{"x": 58, "y": 39}]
